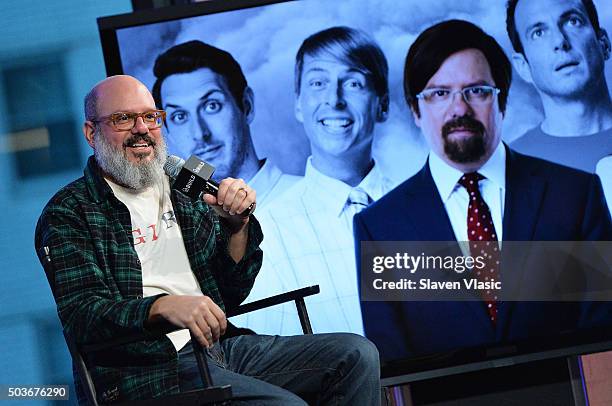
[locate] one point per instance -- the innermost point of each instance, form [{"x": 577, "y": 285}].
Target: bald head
[
  {"x": 132, "y": 157},
  {"x": 112, "y": 88}
]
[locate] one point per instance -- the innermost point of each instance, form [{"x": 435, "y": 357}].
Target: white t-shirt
[{"x": 158, "y": 241}]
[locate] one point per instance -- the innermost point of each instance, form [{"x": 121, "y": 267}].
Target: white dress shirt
[
  {"x": 270, "y": 182},
  {"x": 456, "y": 199},
  {"x": 308, "y": 240}
]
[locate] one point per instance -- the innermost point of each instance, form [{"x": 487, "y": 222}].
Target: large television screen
[{"x": 325, "y": 133}]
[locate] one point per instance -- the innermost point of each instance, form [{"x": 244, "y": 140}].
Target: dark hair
[
  {"x": 193, "y": 55},
  {"x": 434, "y": 45},
  {"x": 515, "y": 39},
  {"x": 351, "y": 47}
]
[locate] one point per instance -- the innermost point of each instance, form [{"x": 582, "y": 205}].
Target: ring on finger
[
  {"x": 243, "y": 189},
  {"x": 251, "y": 208}
]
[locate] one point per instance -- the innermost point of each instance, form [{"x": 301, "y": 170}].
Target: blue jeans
[{"x": 321, "y": 369}]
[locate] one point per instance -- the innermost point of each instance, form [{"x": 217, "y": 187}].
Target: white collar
[
  {"x": 334, "y": 192},
  {"x": 266, "y": 175},
  {"x": 446, "y": 177}
]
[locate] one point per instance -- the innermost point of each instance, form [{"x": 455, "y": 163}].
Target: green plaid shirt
[{"x": 98, "y": 282}]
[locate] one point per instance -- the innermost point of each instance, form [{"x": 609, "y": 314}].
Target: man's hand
[
  {"x": 233, "y": 198},
  {"x": 199, "y": 314}
]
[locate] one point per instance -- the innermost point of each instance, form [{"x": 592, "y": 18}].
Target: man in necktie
[
  {"x": 341, "y": 91},
  {"x": 358, "y": 199},
  {"x": 475, "y": 189}
]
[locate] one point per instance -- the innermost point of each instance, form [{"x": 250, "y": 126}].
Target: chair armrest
[
  {"x": 297, "y": 295},
  {"x": 274, "y": 300},
  {"x": 153, "y": 334}
]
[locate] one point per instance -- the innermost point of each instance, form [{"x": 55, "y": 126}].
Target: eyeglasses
[
  {"x": 123, "y": 121},
  {"x": 473, "y": 95}
]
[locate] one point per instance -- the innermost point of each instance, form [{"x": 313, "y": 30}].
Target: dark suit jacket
[{"x": 544, "y": 202}]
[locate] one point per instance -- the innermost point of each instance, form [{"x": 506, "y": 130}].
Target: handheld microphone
[{"x": 193, "y": 178}]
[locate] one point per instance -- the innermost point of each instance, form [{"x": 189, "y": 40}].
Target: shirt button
[
  {"x": 138, "y": 261},
  {"x": 138, "y": 296}
]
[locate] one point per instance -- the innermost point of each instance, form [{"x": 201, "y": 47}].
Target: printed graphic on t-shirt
[
  {"x": 150, "y": 233},
  {"x": 169, "y": 219}
]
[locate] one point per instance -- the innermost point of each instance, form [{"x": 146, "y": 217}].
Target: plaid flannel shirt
[{"x": 97, "y": 281}]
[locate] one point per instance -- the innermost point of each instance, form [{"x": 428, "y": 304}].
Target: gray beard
[{"x": 114, "y": 162}]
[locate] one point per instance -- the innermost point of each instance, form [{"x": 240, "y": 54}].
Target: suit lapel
[
  {"x": 430, "y": 220},
  {"x": 525, "y": 191},
  {"x": 426, "y": 210},
  {"x": 524, "y": 196}
]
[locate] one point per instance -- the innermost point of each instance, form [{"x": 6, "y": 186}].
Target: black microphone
[{"x": 193, "y": 178}]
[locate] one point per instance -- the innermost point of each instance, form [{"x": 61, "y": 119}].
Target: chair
[{"x": 210, "y": 394}]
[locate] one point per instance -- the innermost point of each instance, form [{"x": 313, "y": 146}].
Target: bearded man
[
  {"x": 475, "y": 189},
  {"x": 129, "y": 253}
]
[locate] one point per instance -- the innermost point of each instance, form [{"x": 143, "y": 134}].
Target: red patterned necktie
[{"x": 483, "y": 238}]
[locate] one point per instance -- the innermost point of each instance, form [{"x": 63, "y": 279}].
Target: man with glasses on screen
[
  {"x": 129, "y": 253},
  {"x": 561, "y": 49},
  {"x": 475, "y": 189},
  {"x": 342, "y": 92},
  {"x": 210, "y": 107}
]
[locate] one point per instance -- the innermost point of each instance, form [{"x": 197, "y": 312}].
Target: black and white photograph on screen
[
  {"x": 210, "y": 106},
  {"x": 562, "y": 60},
  {"x": 562, "y": 49},
  {"x": 341, "y": 97}
]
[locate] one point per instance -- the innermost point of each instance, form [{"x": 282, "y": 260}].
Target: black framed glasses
[
  {"x": 124, "y": 121},
  {"x": 473, "y": 95}
]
